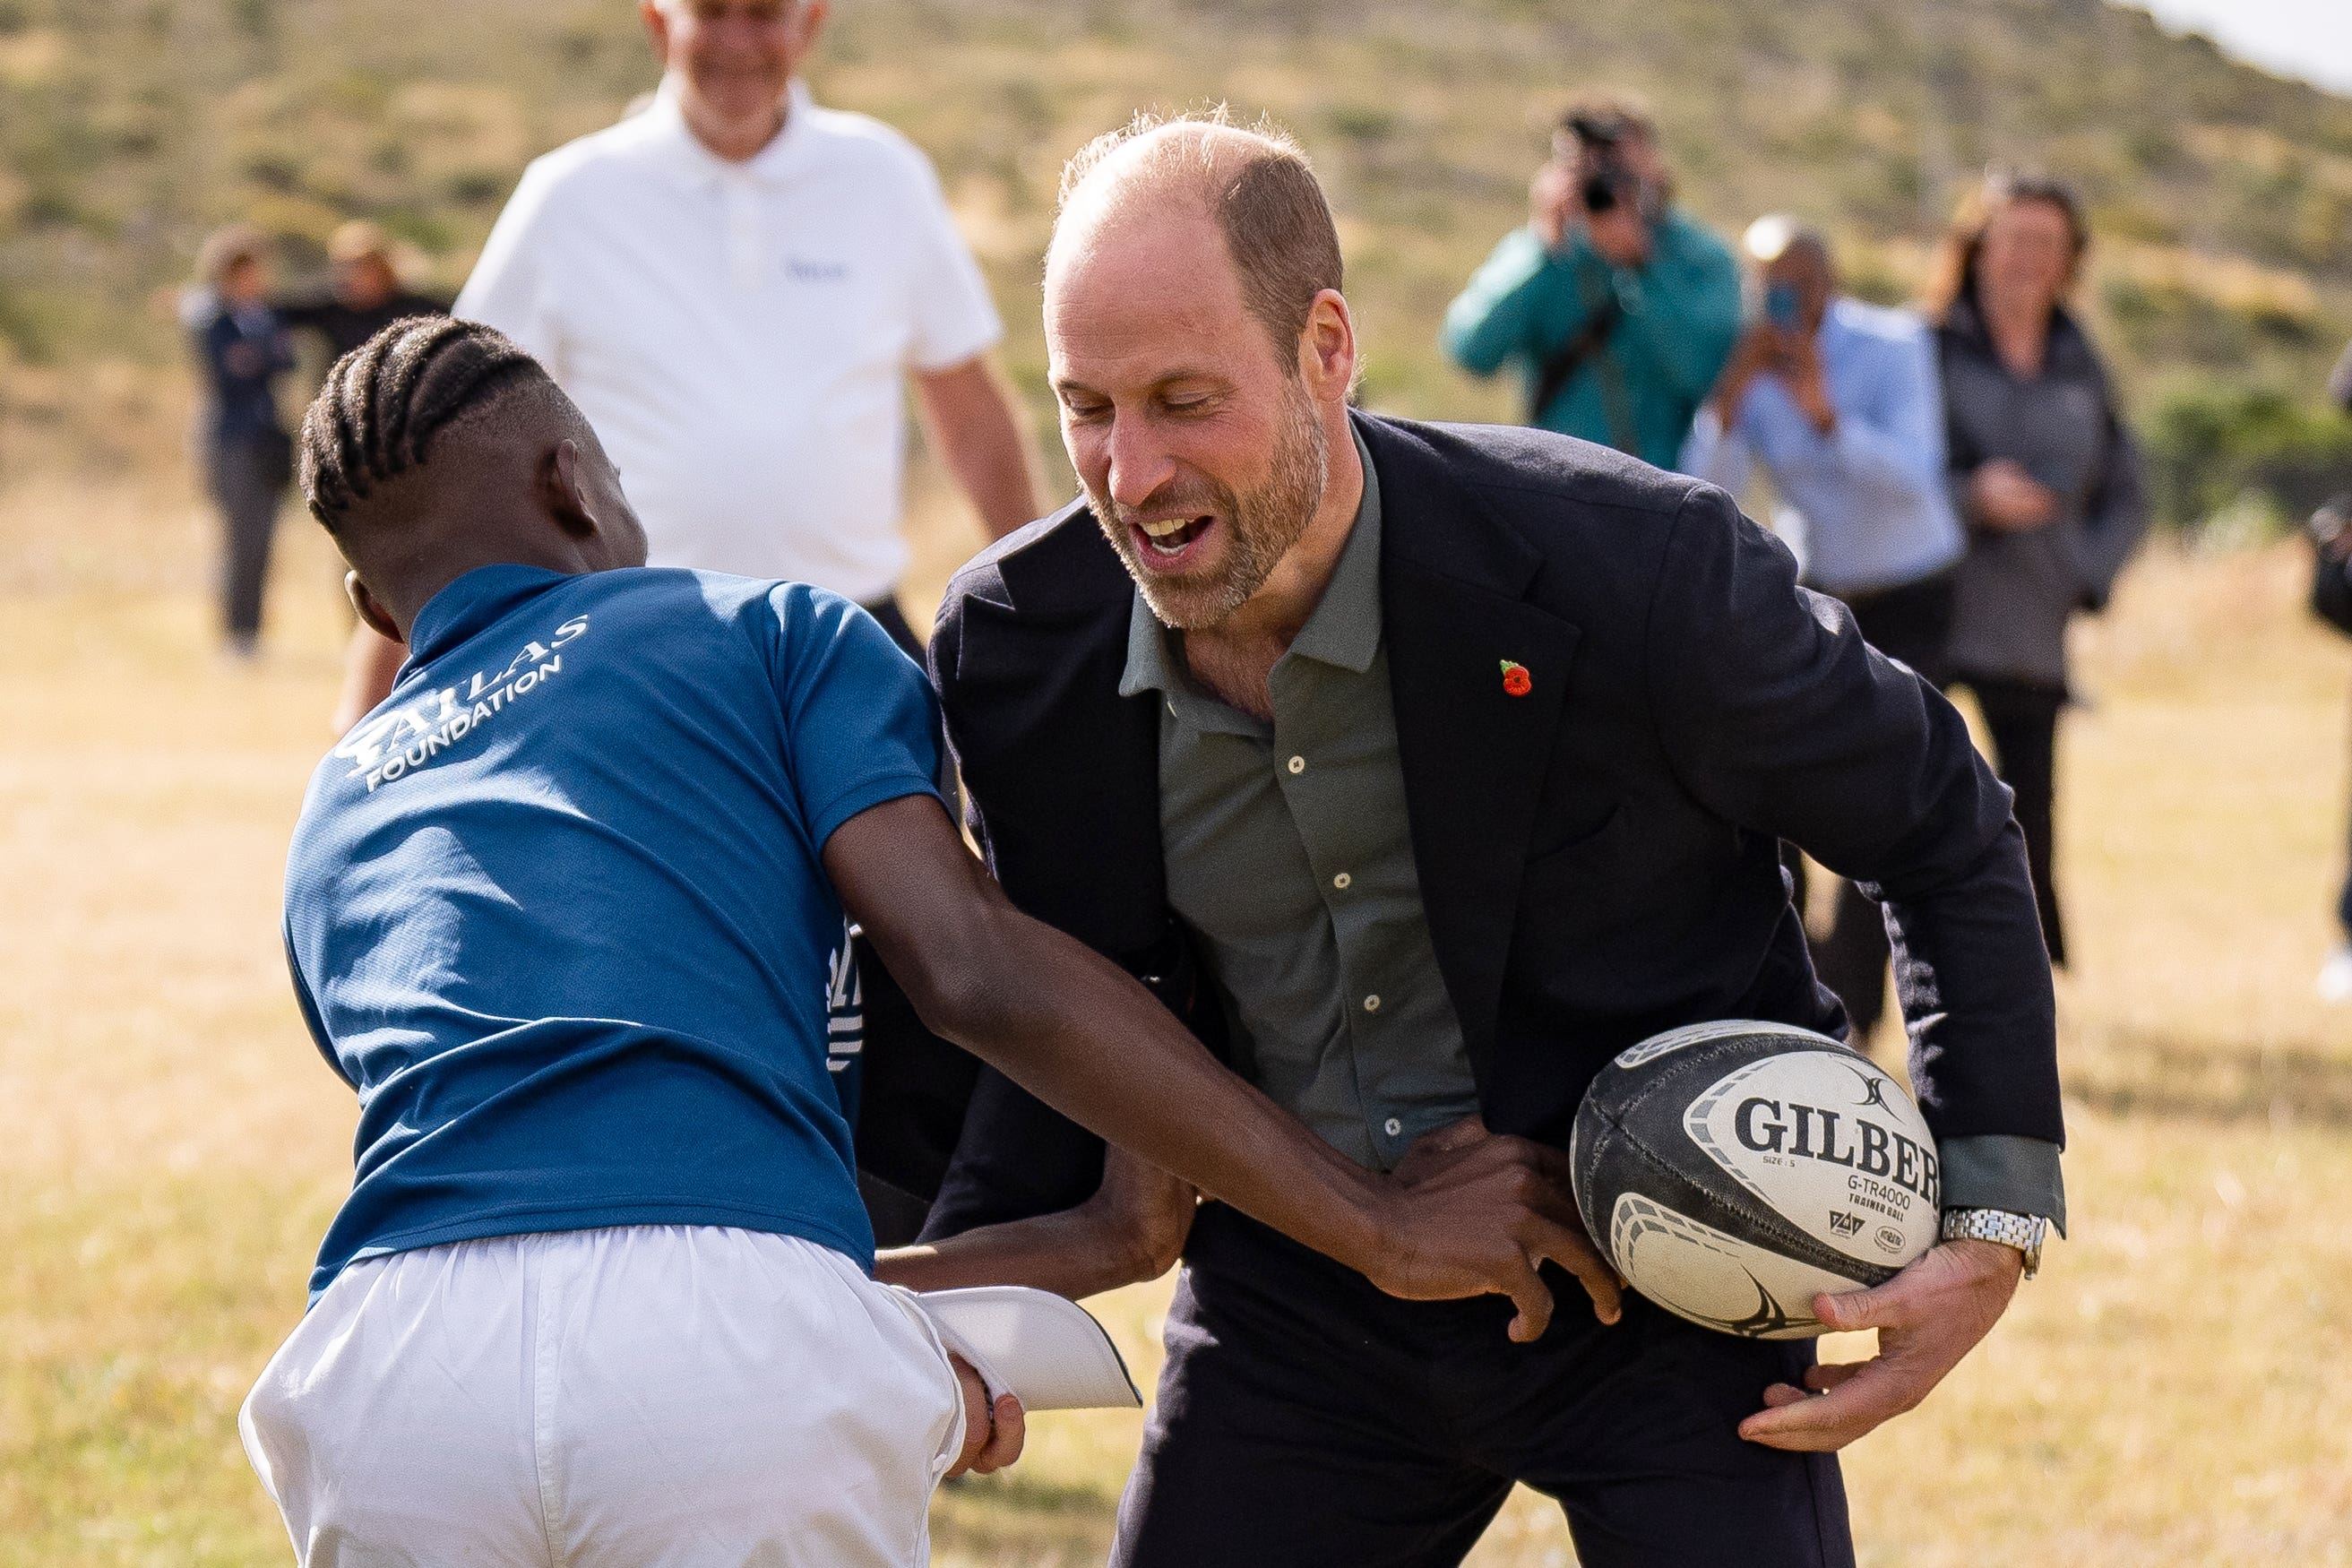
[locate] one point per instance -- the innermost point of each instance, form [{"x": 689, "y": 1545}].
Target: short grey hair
[{"x": 1255, "y": 180}]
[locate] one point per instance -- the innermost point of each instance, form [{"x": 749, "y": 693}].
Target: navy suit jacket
[{"x": 1598, "y": 857}]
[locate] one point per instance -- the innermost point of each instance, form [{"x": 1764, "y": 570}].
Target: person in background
[
  {"x": 241, "y": 349},
  {"x": 1616, "y": 308},
  {"x": 2331, "y": 533},
  {"x": 737, "y": 285},
  {"x": 2044, "y": 472},
  {"x": 364, "y": 293},
  {"x": 1840, "y": 403}
]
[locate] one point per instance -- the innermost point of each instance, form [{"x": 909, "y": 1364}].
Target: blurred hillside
[{"x": 2223, "y": 196}]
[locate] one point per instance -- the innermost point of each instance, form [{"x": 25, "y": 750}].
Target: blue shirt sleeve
[{"x": 861, "y": 726}]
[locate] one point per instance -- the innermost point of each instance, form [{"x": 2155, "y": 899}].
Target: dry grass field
[{"x": 2171, "y": 1392}]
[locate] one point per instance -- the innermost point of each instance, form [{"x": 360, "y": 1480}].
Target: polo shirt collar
[
  {"x": 695, "y": 166},
  {"x": 1343, "y": 631},
  {"x": 466, "y": 604}
]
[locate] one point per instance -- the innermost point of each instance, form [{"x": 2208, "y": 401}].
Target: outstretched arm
[
  {"x": 1132, "y": 1230},
  {"x": 1087, "y": 1039}
]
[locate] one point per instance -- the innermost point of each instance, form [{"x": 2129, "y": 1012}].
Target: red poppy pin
[{"x": 1515, "y": 679}]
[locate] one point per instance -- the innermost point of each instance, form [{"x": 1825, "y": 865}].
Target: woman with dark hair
[
  {"x": 241, "y": 349},
  {"x": 2044, "y": 474}
]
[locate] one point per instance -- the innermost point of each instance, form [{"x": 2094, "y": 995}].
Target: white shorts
[{"x": 645, "y": 1394}]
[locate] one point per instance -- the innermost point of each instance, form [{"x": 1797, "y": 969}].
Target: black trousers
[
  {"x": 1913, "y": 623},
  {"x": 2022, "y": 722},
  {"x": 1306, "y": 1419},
  {"x": 247, "y": 479}
]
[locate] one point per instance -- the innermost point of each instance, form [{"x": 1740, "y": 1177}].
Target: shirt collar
[
  {"x": 467, "y": 604},
  {"x": 1343, "y": 631},
  {"x": 696, "y": 166}
]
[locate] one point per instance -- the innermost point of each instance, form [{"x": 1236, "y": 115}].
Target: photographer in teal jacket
[{"x": 1618, "y": 309}]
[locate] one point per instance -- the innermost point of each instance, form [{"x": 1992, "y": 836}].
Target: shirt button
[
  {"x": 1392, "y": 1127},
  {"x": 1341, "y": 881},
  {"x": 1298, "y": 764},
  {"x": 1371, "y": 1004}
]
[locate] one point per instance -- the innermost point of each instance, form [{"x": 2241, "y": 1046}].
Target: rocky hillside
[{"x": 2223, "y": 196}]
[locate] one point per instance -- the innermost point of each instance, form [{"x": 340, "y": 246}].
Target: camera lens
[{"x": 1598, "y": 193}]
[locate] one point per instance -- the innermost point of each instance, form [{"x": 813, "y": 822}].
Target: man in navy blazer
[{"x": 1421, "y": 769}]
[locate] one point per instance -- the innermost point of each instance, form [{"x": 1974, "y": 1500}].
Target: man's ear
[
  {"x": 1326, "y": 349},
  {"x": 378, "y": 619},
  {"x": 807, "y": 26},
  {"x": 562, "y": 483},
  {"x": 656, "y": 22}
]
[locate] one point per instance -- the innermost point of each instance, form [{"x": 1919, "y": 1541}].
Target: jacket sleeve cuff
[{"x": 2001, "y": 1171}]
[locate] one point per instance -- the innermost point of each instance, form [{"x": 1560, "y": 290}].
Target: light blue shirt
[{"x": 1872, "y": 493}]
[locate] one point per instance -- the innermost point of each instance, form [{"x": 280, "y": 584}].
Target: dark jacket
[
  {"x": 2014, "y": 593},
  {"x": 241, "y": 355},
  {"x": 345, "y": 327},
  {"x": 1599, "y": 859}
]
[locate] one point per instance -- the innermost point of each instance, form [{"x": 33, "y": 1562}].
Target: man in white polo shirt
[{"x": 735, "y": 284}]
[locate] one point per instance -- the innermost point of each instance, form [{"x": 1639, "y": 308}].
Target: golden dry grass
[{"x": 2170, "y": 1392}]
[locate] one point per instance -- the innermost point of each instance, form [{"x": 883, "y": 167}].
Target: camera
[{"x": 1608, "y": 178}]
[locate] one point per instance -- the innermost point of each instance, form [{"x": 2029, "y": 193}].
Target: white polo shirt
[{"x": 739, "y": 333}]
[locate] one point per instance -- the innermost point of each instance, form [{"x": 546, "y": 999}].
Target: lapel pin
[{"x": 1515, "y": 679}]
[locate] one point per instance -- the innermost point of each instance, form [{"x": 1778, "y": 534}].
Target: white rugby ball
[{"x": 1734, "y": 1171}]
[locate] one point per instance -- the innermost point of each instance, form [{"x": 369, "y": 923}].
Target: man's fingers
[
  {"x": 1572, "y": 1251},
  {"x": 1882, "y": 1306},
  {"x": 1009, "y": 1431},
  {"x": 977, "y": 1425},
  {"x": 1456, "y": 1134},
  {"x": 1432, "y": 1149},
  {"x": 1533, "y": 1298},
  {"x": 1821, "y": 1379},
  {"x": 1554, "y": 1167},
  {"x": 1873, "y": 1392}
]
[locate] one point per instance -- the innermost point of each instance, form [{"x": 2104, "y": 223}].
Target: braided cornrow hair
[{"x": 383, "y": 404}]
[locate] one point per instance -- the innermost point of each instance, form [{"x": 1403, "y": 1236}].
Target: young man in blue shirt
[{"x": 562, "y": 912}]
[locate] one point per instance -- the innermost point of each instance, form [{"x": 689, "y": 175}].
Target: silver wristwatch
[{"x": 2022, "y": 1231}]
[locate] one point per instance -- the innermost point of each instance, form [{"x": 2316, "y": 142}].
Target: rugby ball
[{"x": 1734, "y": 1171}]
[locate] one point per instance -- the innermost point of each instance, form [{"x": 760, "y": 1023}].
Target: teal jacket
[{"x": 1640, "y": 393}]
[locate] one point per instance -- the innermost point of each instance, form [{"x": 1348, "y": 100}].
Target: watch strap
[{"x": 2022, "y": 1231}]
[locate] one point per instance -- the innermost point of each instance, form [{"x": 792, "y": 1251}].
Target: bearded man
[{"x": 1423, "y": 769}]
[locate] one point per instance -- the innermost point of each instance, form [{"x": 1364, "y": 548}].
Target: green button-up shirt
[{"x": 1287, "y": 854}]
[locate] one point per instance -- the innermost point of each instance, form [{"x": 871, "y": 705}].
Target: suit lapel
[
  {"x": 1080, "y": 848},
  {"x": 1453, "y": 582}
]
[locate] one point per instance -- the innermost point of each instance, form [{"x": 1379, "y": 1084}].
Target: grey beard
[{"x": 1264, "y": 524}]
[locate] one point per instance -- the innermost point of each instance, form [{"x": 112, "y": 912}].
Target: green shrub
[{"x": 2208, "y": 449}]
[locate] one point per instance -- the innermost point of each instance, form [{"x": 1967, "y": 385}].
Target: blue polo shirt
[{"x": 555, "y": 910}]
